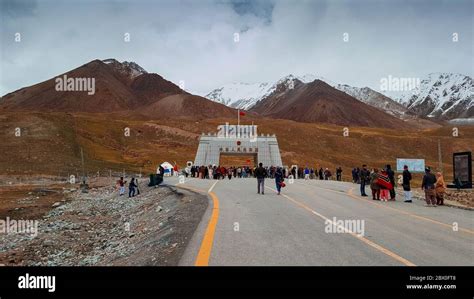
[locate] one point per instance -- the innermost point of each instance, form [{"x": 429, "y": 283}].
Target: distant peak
[
  {"x": 127, "y": 67},
  {"x": 109, "y": 61}
]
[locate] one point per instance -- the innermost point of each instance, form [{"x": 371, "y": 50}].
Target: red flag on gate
[{"x": 241, "y": 113}]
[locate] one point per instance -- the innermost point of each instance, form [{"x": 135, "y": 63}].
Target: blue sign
[{"x": 414, "y": 165}]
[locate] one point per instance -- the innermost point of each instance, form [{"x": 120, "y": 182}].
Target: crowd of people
[
  {"x": 221, "y": 172},
  {"x": 382, "y": 184},
  {"x": 381, "y": 181}
]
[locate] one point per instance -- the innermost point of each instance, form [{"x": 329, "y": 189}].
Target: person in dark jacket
[
  {"x": 160, "y": 176},
  {"x": 355, "y": 175},
  {"x": 131, "y": 188},
  {"x": 293, "y": 172},
  {"x": 374, "y": 186},
  {"x": 406, "y": 183},
  {"x": 279, "y": 178},
  {"x": 364, "y": 176},
  {"x": 428, "y": 185},
  {"x": 260, "y": 174},
  {"x": 321, "y": 174},
  {"x": 339, "y": 173},
  {"x": 391, "y": 176},
  {"x": 327, "y": 174}
]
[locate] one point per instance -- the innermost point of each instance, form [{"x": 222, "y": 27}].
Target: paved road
[{"x": 242, "y": 227}]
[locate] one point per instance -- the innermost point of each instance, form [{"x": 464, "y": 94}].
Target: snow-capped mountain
[
  {"x": 239, "y": 95},
  {"x": 246, "y": 95},
  {"x": 131, "y": 69},
  {"x": 376, "y": 99},
  {"x": 441, "y": 95}
]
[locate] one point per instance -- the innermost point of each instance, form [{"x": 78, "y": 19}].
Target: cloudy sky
[{"x": 193, "y": 41}]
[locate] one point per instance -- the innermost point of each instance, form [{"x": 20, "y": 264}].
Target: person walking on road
[
  {"x": 428, "y": 185},
  {"x": 279, "y": 179},
  {"x": 406, "y": 183},
  {"x": 364, "y": 177},
  {"x": 260, "y": 174},
  {"x": 440, "y": 188}
]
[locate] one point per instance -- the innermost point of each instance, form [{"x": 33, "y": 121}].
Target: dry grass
[{"x": 51, "y": 142}]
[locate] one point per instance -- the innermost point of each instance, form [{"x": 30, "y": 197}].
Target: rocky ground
[
  {"x": 103, "y": 228},
  {"x": 462, "y": 198}
]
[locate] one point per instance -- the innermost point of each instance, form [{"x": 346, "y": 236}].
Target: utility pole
[
  {"x": 83, "y": 172},
  {"x": 440, "y": 161},
  {"x": 84, "y": 187}
]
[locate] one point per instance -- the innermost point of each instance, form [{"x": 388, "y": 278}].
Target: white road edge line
[
  {"x": 360, "y": 237},
  {"x": 212, "y": 187}
]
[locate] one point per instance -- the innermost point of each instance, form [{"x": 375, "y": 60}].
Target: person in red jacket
[{"x": 385, "y": 185}]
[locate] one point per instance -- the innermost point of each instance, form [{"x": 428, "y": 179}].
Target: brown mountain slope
[
  {"x": 152, "y": 87},
  {"x": 123, "y": 88},
  {"x": 186, "y": 105},
  {"x": 111, "y": 94},
  {"x": 319, "y": 102}
]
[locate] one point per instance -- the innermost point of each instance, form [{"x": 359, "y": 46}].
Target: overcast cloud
[{"x": 194, "y": 40}]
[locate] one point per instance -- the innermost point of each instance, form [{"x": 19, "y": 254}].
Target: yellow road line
[
  {"x": 206, "y": 245},
  {"x": 204, "y": 253},
  {"x": 359, "y": 237}
]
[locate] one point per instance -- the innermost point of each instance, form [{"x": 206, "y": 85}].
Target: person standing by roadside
[
  {"x": 391, "y": 176},
  {"x": 211, "y": 172},
  {"x": 354, "y": 175},
  {"x": 327, "y": 174},
  {"x": 306, "y": 173},
  {"x": 279, "y": 178},
  {"x": 293, "y": 172},
  {"x": 384, "y": 182},
  {"x": 373, "y": 184},
  {"x": 364, "y": 177},
  {"x": 260, "y": 174},
  {"x": 138, "y": 189},
  {"x": 406, "y": 183},
  {"x": 440, "y": 188},
  {"x": 428, "y": 185},
  {"x": 339, "y": 173}
]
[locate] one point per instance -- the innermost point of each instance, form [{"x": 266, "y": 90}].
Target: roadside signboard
[{"x": 414, "y": 165}]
